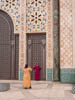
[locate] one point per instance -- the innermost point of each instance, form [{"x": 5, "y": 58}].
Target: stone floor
[{"x": 41, "y": 90}]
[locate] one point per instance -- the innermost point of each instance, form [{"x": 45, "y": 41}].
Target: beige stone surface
[
  {"x": 73, "y": 14},
  {"x": 66, "y": 32},
  {"x": 41, "y": 90}
]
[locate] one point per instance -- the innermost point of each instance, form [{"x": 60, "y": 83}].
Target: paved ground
[{"x": 41, "y": 90}]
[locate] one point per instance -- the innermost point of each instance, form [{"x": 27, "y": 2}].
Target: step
[{"x": 4, "y": 87}]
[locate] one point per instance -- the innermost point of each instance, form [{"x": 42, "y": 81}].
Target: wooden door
[
  {"x": 36, "y": 53},
  {"x": 7, "y": 47}
]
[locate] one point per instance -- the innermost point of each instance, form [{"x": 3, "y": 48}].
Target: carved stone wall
[{"x": 12, "y": 7}]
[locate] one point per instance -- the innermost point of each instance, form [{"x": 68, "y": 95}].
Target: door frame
[{"x": 41, "y": 33}]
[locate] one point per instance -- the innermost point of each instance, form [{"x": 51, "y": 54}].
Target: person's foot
[
  {"x": 25, "y": 88},
  {"x": 30, "y": 87}
]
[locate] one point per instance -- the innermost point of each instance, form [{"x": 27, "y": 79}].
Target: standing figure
[
  {"x": 37, "y": 69},
  {"x": 26, "y": 77}
]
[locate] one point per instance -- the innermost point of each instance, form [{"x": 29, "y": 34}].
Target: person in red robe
[{"x": 37, "y": 69}]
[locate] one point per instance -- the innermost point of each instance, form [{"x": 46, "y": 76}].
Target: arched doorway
[{"x": 7, "y": 47}]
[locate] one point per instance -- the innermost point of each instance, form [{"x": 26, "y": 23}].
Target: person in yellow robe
[{"x": 27, "y": 77}]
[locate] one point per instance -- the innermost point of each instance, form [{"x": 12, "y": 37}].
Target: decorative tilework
[
  {"x": 22, "y": 43},
  {"x": 49, "y": 74},
  {"x": 36, "y": 15},
  {"x": 12, "y": 7},
  {"x": 67, "y": 75},
  {"x": 23, "y": 34},
  {"x": 49, "y": 35},
  {"x": 21, "y": 74},
  {"x": 66, "y": 33},
  {"x": 10, "y": 3}
]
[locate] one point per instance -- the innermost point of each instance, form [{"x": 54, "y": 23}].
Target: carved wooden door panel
[
  {"x": 8, "y": 48},
  {"x": 5, "y": 48},
  {"x": 36, "y": 53}
]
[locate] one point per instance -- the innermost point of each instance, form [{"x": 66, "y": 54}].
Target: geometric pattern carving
[
  {"x": 66, "y": 33},
  {"x": 49, "y": 44},
  {"x": 10, "y": 3},
  {"x": 36, "y": 15},
  {"x": 12, "y": 7}
]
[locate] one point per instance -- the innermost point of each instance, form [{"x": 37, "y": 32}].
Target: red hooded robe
[{"x": 37, "y": 70}]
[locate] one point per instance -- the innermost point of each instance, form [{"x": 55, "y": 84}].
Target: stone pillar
[
  {"x": 22, "y": 47},
  {"x": 49, "y": 41},
  {"x": 66, "y": 42}
]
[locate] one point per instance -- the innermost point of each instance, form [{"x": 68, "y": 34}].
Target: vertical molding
[
  {"x": 49, "y": 36},
  {"x": 52, "y": 36},
  {"x": 73, "y": 14},
  {"x": 22, "y": 46},
  {"x": 56, "y": 40}
]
